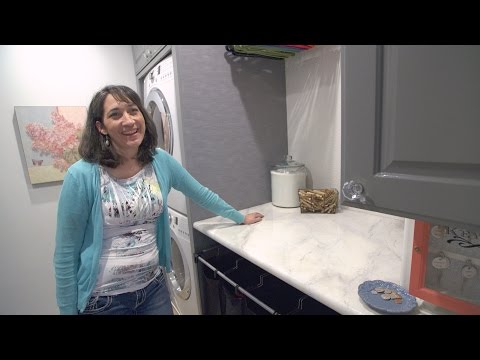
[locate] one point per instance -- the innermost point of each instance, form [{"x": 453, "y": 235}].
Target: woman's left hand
[{"x": 252, "y": 218}]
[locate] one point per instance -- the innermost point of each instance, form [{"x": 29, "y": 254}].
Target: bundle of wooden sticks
[{"x": 322, "y": 201}]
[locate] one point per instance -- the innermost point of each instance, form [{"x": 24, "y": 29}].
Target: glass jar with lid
[{"x": 287, "y": 177}]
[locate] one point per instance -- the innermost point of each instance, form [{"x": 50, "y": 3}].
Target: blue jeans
[{"x": 154, "y": 299}]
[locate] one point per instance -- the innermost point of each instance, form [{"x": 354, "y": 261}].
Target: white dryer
[
  {"x": 159, "y": 92},
  {"x": 181, "y": 280}
]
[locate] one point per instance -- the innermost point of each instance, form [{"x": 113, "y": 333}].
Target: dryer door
[
  {"x": 179, "y": 277},
  {"x": 158, "y": 109}
]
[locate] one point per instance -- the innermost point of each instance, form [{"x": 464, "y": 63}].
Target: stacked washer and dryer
[{"x": 160, "y": 102}]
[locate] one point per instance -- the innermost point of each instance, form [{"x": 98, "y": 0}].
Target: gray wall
[
  {"x": 234, "y": 120},
  {"x": 41, "y": 76}
]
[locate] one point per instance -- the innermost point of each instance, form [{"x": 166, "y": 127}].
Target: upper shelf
[{"x": 267, "y": 51}]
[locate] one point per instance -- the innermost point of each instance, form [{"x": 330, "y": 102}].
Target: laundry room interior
[{"x": 232, "y": 118}]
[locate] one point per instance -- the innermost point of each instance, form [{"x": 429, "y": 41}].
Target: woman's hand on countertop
[{"x": 252, "y": 218}]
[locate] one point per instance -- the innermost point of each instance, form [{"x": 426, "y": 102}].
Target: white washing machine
[
  {"x": 159, "y": 91},
  {"x": 181, "y": 280}
]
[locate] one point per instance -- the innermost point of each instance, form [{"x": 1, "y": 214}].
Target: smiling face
[{"x": 124, "y": 123}]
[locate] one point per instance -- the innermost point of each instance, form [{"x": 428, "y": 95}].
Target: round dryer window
[
  {"x": 179, "y": 277},
  {"x": 158, "y": 109}
]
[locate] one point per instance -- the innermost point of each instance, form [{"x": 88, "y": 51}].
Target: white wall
[
  {"x": 41, "y": 76},
  {"x": 313, "y": 113}
]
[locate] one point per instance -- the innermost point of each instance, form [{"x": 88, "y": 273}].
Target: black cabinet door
[{"x": 411, "y": 131}]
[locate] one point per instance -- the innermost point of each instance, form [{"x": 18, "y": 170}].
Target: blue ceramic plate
[{"x": 376, "y": 302}]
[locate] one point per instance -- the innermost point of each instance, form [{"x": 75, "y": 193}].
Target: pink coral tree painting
[{"x": 50, "y": 137}]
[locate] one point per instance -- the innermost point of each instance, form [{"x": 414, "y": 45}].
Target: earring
[{"x": 107, "y": 140}]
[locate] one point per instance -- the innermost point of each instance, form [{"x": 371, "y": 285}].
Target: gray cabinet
[
  {"x": 143, "y": 54},
  {"x": 411, "y": 131}
]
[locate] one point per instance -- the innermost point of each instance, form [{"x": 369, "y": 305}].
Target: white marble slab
[{"x": 326, "y": 256}]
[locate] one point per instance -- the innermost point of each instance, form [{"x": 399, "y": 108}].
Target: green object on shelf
[{"x": 268, "y": 51}]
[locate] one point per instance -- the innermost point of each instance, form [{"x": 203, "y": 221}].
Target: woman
[{"x": 113, "y": 235}]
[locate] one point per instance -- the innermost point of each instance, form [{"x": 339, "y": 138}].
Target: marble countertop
[{"x": 326, "y": 256}]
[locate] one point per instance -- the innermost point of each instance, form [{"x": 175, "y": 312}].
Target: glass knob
[
  {"x": 147, "y": 53},
  {"x": 353, "y": 191}
]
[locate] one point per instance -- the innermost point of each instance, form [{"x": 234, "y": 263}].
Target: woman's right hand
[{"x": 252, "y": 218}]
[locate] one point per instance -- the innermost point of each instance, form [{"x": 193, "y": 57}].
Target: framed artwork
[
  {"x": 50, "y": 136},
  {"x": 445, "y": 263}
]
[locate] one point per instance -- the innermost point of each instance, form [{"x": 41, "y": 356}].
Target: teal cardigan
[{"x": 79, "y": 233}]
